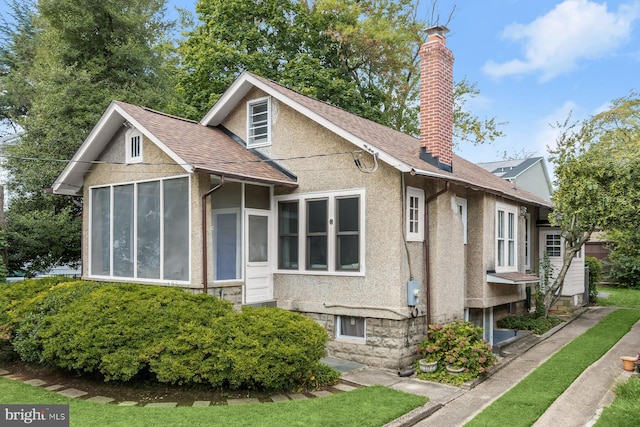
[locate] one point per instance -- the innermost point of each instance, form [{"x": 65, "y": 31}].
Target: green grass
[
  {"x": 625, "y": 409},
  {"x": 620, "y": 297},
  {"x": 367, "y": 406},
  {"x": 530, "y": 398}
]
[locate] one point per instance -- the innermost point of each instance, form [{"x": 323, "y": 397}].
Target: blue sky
[{"x": 537, "y": 61}]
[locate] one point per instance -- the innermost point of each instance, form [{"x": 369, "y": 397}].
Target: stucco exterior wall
[
  {"x": 156, "y": 165},
  {"x": 323, "y": 162},
  {"x": 447, "y": 257}
]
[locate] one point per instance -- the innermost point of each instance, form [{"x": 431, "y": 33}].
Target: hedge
[{"x": 130, "y": 331}]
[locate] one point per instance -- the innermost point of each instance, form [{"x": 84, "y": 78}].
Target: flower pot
[
  {"x": 428, "y": 366},
  {"x": 454, "y": 369},
  {"x": 628, "y": 363}
]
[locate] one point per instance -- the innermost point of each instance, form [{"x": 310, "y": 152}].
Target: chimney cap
[{"x": 439, "y": 30}]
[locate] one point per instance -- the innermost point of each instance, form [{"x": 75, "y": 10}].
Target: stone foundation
[
  {"x": 390, "y": 344},
  {"x": 568, "y": 304}
]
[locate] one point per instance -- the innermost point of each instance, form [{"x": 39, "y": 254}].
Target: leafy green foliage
[
  {"x": 62, "y": 63},
  {"x": 624, "y": 257},
  {"x": 259, "y": 348},
  {"x": 31, "y": 316},
  {"x": 3, "y": 246},
  {"x": 127, "y": 331},
  {"x": 536, "y": 324},
  {"x": 15, "y": 296},
  {"x": 358, "y": 55},
  {"x": 597, "y": 168},
  {"x": 595, "y": 276},
  {"x": 459, "y": 344},
  {"x": 117, "y": 330}
]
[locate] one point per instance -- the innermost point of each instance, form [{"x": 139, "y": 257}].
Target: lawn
[
  {"x": 620, "y": 297},
  {"x": 625, "y": 409},
  {"x": 367, "y": 406},
  {"x": 529, "y": 399}
]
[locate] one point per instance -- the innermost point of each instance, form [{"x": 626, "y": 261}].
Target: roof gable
[
  {"x": 194, "y": 147},
  {"x": 397, "y": 149}
]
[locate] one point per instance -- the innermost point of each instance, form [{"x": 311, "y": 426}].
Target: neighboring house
[
  {"x": 277, "y": 198},
  {"x": 531, "y": 174}
]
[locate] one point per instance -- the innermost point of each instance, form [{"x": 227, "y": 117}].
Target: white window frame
[
  {"x": 557, "y": 238},
  {"x": 414, "y": 215},
  {"x": 332, "y": 240},
  {"x": 339, "y": 335},
  {"x": 251, "y": 143},
  {"x": 462, "y": 211},
  {"x": 135, "y": 207},
  {"x": 133, "y": 146},
  {"x": 507, "y": 236}
]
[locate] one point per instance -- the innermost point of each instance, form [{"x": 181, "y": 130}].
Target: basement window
[{"x": 351, "y": 327}]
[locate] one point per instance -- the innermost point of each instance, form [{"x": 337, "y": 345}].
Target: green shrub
[
  {"x": 33, "y": 314},
  {"x": 537, "y": 325},
  {"x": 459, "y": 344},
  {"x": 118, "y": 330},
  {"x": 16, "y": 295},
  {"x": 265, "y": 348},
  {"x": 127, "y": 331},
  {"x": 595, "y": 276}
]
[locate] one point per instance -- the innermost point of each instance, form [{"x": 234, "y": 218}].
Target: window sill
[{"x": 321, "y": 273}]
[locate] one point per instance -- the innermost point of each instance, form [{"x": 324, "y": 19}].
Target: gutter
[
  {"x": 427, "y": 263},
  {"x": 205, "y": 283}
]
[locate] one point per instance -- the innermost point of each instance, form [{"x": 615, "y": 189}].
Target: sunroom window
[{"x": 141, "y": 230}]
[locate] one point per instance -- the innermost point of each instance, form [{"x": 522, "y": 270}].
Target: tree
[
  {"x": 17, "y": 49},
  {"x": 360, "y": 55},
  {"x": 84, "y": 55},
  {"x": 597, "y": 168}
]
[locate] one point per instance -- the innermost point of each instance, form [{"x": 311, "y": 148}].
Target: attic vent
[{"x": 133, "y": 146}]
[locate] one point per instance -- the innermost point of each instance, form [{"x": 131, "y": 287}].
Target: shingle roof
[
  {"x": 404, "y": 148},
  {"x": 509, "y": 169},
  {"x": 207, "y": 149}
]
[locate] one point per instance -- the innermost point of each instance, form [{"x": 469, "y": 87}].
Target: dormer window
[
  {"x": 133, "y": 146},
  {"x": 259, "y": 122}
]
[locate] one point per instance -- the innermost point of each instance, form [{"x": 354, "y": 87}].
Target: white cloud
[{"x": 555, "y": 43}]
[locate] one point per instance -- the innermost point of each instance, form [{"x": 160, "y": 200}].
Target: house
[
  {"x": 276, "y": 198},
  {"x": 531, "y": 174}
]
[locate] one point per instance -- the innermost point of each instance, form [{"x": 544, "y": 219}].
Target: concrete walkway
[{"x": 581, "y": 403}]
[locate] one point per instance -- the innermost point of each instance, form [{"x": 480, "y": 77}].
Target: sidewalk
[{"x": 578, "y": 406}]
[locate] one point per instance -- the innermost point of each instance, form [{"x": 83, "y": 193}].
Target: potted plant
[
  {"x": 462, "y": 348},
  {"x": 431, "y": 355}
]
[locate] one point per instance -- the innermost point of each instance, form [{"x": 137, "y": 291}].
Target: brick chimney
[{"x": 436, "y": 100}]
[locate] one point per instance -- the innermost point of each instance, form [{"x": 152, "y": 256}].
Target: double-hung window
[
  {"x": 133, "y": 146},
  {"x": 414, "y": 210},
  {"x": 553, "y": 245},
  {"x": 259, "y": 122},
  {"x": 506, "y": 238},
  {"x": 321, "y": 233}
]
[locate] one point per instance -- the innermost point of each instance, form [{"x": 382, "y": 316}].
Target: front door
[{"x": 258, "y": 281}]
